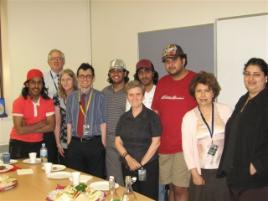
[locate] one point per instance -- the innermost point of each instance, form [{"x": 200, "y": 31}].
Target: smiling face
[
  {"x": 67, "y": 82},
  {"x": 135, "y": 97},
  {"x": 203, "y": 95},
  {"x": 85, "y": 78},
  {"x": 254, "y": 79},
  {"x": 35, "y": 86},
  {"x": 117, "y": 75},
  {"x": 56, "y": 62}
]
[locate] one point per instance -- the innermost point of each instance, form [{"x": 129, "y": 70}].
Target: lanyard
[
  {"x": 211, "y": 131},
  {"x": 88, "y": 103},
  {"x": 55, "y": 85}
]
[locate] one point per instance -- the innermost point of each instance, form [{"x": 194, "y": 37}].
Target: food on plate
[
  {"x": 81, "y": 187},
  {"x": 76, "y": 193},
  {"x": 7, "y": 181},
  {"x": 2, "y": 167}
]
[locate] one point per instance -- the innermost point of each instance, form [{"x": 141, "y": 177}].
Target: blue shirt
[{"x": 94, "y": 115}]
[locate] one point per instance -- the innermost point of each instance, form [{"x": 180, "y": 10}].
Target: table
[{"x": 35, "y": 187}]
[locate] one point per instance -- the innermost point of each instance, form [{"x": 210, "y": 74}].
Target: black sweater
[{"x": 246, "y": 142}]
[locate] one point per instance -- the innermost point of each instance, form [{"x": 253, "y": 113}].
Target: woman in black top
[
  {"x": 137, "y": 140},
  {"x": 244, "y": 160}
]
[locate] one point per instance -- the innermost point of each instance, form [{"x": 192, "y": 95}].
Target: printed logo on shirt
[{"x": 166, "y": 97}]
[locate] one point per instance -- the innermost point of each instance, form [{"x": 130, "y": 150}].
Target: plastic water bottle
[
  {"x": 113, "y": 196},
  {"x": 128, "y": 194},
  {"x": 43, "y": 153}
]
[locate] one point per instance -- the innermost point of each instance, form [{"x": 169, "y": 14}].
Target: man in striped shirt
[{"x": 115, "y": 103}]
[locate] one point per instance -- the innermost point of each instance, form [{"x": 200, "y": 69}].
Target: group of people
[{"x": 170, "y": 134}]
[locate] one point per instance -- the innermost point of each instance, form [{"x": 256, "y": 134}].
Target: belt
[{"x": 86, "y": 139}]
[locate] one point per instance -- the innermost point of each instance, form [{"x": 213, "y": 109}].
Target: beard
[
  {"x": 146, "y": 82},
  {"x": 176, "y": 73}
]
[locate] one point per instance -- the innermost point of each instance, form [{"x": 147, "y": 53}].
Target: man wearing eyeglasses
[
  {"x": 86, "y": 125},
  {"x": 56, "y": 62}
]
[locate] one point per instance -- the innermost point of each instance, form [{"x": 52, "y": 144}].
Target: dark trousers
[
  {"x": 19, "y": 149},
  {"x": 87, "y": 156},
  {"x": 257, "y": 194},
  {"x": 215, "y": 189},
  {"x": 150, "y": 186},
  {"x": 52, "y": 151}
]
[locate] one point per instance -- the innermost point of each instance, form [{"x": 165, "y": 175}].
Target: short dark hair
[
  {"x": 155, "y": 77},
  {"x": 258, "y": 62},
  {"x": 43, "y": 94},
  {"x": 207, "y": 79},
  {"x": 126, "y": 78},
  {"x": 85, "y": 66}
]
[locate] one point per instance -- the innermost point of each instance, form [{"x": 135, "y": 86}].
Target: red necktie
[{"x": 81, "y": 117}]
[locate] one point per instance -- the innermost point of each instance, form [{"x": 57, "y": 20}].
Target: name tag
[{"x": 212, "y": 149}]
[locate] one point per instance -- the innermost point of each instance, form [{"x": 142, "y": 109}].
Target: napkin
[
  {"x": 15, "y": 168},
  {"x": 24, "y": 171}
]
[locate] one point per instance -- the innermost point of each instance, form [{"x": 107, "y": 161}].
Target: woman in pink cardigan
[{"x": 203, "y": 139}]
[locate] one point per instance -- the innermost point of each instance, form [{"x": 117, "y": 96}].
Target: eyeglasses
[
  {"x": 254, "y": 75},
  {"x": 82, "y": 77},
  {"x": 56, "y": 59}
]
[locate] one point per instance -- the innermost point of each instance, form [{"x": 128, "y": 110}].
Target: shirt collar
[
  {"x": 141, "y": 115},
  {"x": 87, "y": 93},
  {"x": 54, "y": 75},
  {"x": 35, "y": 107}
]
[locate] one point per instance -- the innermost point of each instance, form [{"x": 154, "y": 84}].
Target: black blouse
[{"x": 136, "y": 132}]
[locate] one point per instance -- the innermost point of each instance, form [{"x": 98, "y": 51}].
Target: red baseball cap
[
  {"x": 34, "y": 73},
  {"x": 144, "y": 63}
]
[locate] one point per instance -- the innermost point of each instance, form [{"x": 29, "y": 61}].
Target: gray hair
[{"x": 55, "y": 50}]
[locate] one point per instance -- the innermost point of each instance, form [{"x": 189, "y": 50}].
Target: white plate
[
  {"x": 56, "y": 167},
  {"x": 37, "y": 161},
  {"x": 13, "y": 161},
  {"x": 6, "y": 168},
  {"x": 83, "y": 178},
  {"x": 101, "y": 185},
  {"x": 59, "y": 175}
]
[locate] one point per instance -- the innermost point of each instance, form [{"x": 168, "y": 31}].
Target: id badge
[
  {"x": 86, "y": 130},
  {"x": 142, "y": 174},
  {"x": 212, "y": 149}
]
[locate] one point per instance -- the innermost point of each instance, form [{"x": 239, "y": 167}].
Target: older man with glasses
[{"x": 56, "y": 62}]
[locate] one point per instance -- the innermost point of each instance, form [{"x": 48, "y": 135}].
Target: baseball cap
[
  {"x": 34, "y": 73},
  {"x": 144, "y": 63},
  {"x": 118, "y": 64},
  {"x": 172, "y": 51}
]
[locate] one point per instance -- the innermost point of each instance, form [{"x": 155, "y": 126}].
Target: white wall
[
  {"x": 36, "y": 26},
  {"x": 115, "y": 24}
]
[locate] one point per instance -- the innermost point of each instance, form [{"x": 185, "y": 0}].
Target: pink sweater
[{"x": 189, "y": 141}]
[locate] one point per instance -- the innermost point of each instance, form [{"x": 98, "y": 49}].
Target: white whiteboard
[{"x": 238, "y": 40}]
